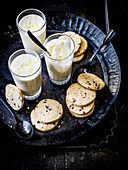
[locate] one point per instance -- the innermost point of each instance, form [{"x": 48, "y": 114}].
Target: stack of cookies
[
  {"x": 46, "y": 115},
  {"x": 81, "y": 45},
  {"x": 80, "y": 96}
]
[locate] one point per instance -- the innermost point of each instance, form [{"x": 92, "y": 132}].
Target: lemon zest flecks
[
  {"x": 20, "y": 72},
  {"x": 66, "y": 54},
  {"x": 51, "y": 49},
  {"x": 30, "y": 71},
  {"x": 29, "y": 61},
  {"x": 28, "y": 27}
]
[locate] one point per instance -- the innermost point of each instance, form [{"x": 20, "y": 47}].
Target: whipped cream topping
[{"x": 58, "y": 48}]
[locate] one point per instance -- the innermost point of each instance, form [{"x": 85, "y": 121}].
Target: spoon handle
[
  {"x": 106, "y": 40},
  {"x": 108, "y": 37},
  {"x": 36, "y": 41},
  {"x": 3, "y": 100}
]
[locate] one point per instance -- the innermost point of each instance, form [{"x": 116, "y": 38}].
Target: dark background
[{"x": 112, "y": 154}]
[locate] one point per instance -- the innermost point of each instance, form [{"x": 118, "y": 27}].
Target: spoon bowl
[{"x": 23, "y": 129}]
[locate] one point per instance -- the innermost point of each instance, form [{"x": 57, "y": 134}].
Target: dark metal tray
[{"x": 106, "y": 66}]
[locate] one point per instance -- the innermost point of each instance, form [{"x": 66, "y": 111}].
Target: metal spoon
[
  {"x": 37, "y": 42},
  {"x": 23, "y": 128},
  {"x": 86, "y": 68}
]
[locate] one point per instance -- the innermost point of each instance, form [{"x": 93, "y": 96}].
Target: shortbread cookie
[
  {"x": 83, "y": 47},
  {"x": 79, "y": 95},
  {"x": 83, "y": 115},
  {"x": 44, "y": 127},
  {"x": 80, "y": 110},
  {"x": 91, "y": 81},
  {"x": 14, "y": 97},
  {"x": 78, "y": 58},
  {"x": 76, "y": 38},
  {"x": 48, "y": 110}
]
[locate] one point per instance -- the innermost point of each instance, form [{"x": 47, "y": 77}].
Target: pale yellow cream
[
  {"x": 37, "y": 25},
  {"x": 27, "y": 73}
]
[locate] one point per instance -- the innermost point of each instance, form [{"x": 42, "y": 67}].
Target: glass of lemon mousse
[
  {"x": 35, "y": 21},
  {"x": 59, "y": 63},
  {"x": 25, "y": 67}
]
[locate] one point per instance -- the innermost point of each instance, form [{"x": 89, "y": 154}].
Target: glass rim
[
  {"x": 30, "y": 9},
  {"x": 22, "y": 76},
  {"x": 61, "y": 34}
]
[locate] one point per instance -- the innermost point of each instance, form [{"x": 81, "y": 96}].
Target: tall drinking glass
[
  {"x": 35, "y": 21},
  {"x": 59, "y": 64},
  {"x": 25, "y": 67}
]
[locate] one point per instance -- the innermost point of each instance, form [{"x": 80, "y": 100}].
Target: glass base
[
  {"x": 61, "y": 82},
  {"x": 35, "y": 96}
]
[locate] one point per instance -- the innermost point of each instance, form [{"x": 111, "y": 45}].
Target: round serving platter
[{"x": 106, "y": 66}]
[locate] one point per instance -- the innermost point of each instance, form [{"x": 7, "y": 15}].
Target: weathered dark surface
[{"x": 113, "y": 154}]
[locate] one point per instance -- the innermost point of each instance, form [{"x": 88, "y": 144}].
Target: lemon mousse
[
  {"x": 36, "y": 24},
  {"x": 59, "y": 64},
  {"x": 26, "y": 72}
]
